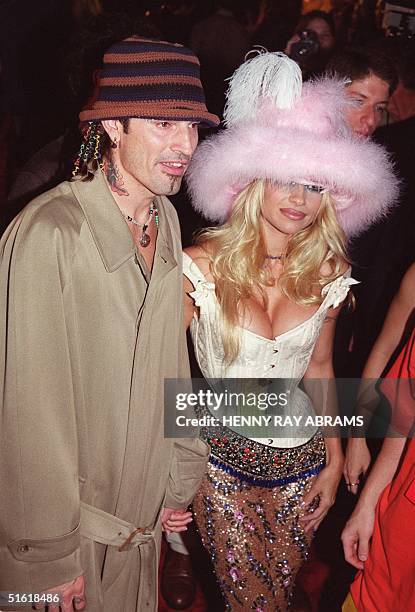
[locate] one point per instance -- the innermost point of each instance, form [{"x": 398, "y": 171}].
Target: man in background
[{"x": 370, "y": 78}]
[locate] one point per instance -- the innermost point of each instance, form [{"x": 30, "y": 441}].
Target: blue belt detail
[{"x": 265, "y": 482}]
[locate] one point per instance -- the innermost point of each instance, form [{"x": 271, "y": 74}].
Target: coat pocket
[{"x": 48, "y": 549}]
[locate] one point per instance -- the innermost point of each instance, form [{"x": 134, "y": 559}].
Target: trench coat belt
[{"x": 105, "y": 528}]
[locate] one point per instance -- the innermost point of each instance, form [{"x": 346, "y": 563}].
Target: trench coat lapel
[
  {"x": 111, "y": 235},
  {"x": 164, "y": 259}
]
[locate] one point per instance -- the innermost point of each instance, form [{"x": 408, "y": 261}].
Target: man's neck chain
[{"x": 144, "y": 238}]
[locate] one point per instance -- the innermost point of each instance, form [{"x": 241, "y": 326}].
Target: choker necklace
[
  {"x": 144, "y": 238},
  {"x": 275, "y": 257}
]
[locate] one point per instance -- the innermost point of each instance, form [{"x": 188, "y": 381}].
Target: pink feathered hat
[{"x": 281, "y": 130}]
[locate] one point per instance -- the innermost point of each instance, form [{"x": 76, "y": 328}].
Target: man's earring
[{"x": 114, "y": 144}]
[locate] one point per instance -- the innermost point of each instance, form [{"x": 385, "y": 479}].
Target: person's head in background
[
  {"x": 319, "y": 26},
  {"x": 321, "y": 23},
  {"x": 371, "y": 78},
  {"x": 401, "y": 50}
]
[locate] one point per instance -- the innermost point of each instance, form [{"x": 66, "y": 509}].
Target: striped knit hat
[{"x": 149, "y": 79}]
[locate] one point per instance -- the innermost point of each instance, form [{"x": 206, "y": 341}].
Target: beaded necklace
[{"x": 144, "y": 238}]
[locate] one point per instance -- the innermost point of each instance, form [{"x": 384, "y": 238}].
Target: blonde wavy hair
[{"x": 237, "y": 254}]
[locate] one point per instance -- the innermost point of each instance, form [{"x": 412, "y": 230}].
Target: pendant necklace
[
  {"x": 144, "y": 238},
  {"x": 279, "y": 258}
]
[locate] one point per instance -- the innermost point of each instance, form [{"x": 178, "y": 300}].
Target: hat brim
[
  {"x": 196, "y": 113},
  {"x": 358, "y": 173}
]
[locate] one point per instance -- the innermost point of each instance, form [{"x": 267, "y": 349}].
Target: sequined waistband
[
  {"x": 264, "y": 465},
  {"x": 259, "y": 481}
]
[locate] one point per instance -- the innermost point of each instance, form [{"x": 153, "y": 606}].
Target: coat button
[{"x": 23, "y": 548}]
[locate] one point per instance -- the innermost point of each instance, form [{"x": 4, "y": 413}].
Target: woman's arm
[
  {"x": 393, "y": 327},
  {"x": 201, "y": 258},
  {"x": 319, "y": 383},
  {"x": 359, "y": 527},
  {"x": 189, "y": 305},
  {"x": 357, "y": 454}
]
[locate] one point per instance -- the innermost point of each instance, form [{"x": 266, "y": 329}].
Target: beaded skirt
[{"x": 247, "y": 511}]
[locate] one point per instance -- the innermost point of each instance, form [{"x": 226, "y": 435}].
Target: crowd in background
[{"x": 49, "y": 50}]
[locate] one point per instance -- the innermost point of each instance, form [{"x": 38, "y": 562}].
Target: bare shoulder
[
  {"x": 202, "y": 256},
  {"x": 326, "y": 269},
  {"x": 407, "y": 287},
  {"x": 345, "y": 267},
  {"x": 408, "y": 280}
]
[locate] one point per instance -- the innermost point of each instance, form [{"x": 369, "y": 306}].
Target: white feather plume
[{"x": 271, "y": 76}]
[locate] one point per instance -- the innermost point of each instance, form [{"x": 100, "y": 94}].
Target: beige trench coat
[{"x": 87, "y": 339}]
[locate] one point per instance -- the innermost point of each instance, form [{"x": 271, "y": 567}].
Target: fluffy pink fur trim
[{"x": 357, "y": 172}]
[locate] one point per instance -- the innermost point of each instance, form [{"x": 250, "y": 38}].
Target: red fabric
[
  {"x": 312, "y": 577},
  {"x": 387, "y": 582}
]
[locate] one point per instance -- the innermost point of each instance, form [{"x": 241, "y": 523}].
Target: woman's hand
[
  {"x": 175, "y": 520},
  {"x": 357, "y": 463},
  {"x": 324, "y": 489},
  {"x": 356, "y": 535}
]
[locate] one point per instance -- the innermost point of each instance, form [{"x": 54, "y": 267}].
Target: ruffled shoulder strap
[
  {"x": 204, "y": 290},
  {"x": 336, "y": 291}
]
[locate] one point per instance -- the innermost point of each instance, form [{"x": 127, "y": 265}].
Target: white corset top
[{"x": 286, "y": 356}]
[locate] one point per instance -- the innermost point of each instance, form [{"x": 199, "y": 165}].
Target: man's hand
[
  {"x": 175, "y": 520},
  {"x": 72, "y": 596},
  {"x": 356, "y": 464},
  {"x": 356, "y": 536}
]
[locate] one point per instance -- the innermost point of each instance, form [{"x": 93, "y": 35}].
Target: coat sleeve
[
  {"x": 187, "y": 470},
  {"x": 190, "y": 455},
  {"x": 39, "y": 501}
]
